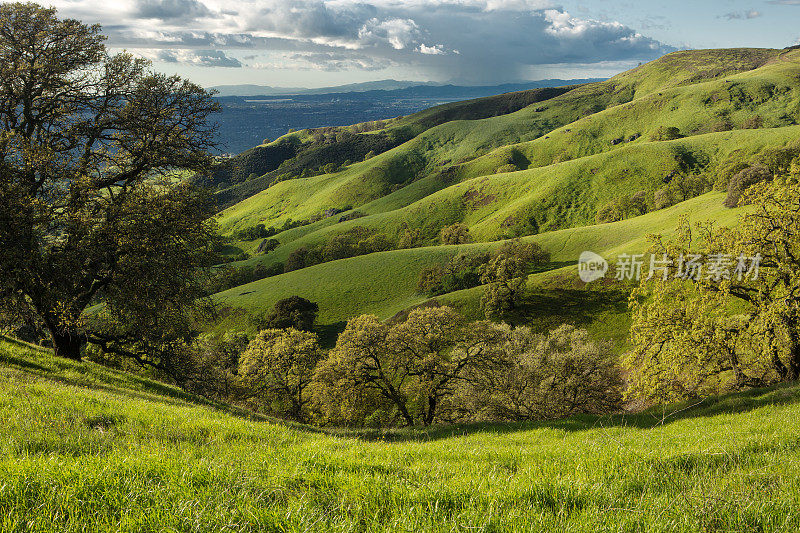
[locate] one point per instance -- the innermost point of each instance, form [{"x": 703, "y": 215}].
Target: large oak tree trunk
[{"x": 67, "y": 345}]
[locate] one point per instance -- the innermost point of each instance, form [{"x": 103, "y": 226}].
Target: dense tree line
[{"x": 432, "y": 367}]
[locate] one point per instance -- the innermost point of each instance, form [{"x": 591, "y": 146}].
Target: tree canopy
[
  {"x": 94, "y": 212},
  {"x": 738, "y": 324}
]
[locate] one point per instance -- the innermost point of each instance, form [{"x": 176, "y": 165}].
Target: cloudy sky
[{"x": 314, "y": 43}]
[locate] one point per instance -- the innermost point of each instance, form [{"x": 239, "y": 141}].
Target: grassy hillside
[
  {"x": 385, "y": 283},
  {"x": 542, "y": 171},
  {"x": 87, "y": 449},
  {"x": 716, "y": 90}
]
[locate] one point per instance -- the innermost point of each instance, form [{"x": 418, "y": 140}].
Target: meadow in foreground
[{"x": 84, "y": 448}]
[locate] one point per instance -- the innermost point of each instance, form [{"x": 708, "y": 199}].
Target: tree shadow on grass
[
  {"x": 329, "y": 333},
  {"x": 545, "y": 309},
  {"x": 735, "y": 403},
  {"x": 39, "y": 364}
]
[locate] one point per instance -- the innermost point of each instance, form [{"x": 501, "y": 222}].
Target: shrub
[
  {"x": 511, "y": 167},
  {"x": 301, "y": 258},
  {"x": 546, "y": 377},
  {"x": 663, "y": 198},
  {"x": 753, "y": 123},
  {"x": 267, "y": 245},
  {"x": 455, "y": 234},
  {"x": 623, "y": 207},
  {"x": 744, "y": 179},
  {"x": 293, "y": 312},
  {"x": 609, "y": 213},
  {"x": 665, "y": 133},
  {"x": 721, "y": 125}
]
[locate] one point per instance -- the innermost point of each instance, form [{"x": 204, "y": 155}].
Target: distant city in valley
[{"x": 252, "y": 113}]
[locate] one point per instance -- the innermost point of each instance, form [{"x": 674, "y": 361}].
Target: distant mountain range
[
  {"x": 260, "y": 112},
  {"x": 389, "y": 86}
]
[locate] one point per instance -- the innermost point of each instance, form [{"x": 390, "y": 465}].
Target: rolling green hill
[
  {"x": 584, "y": 121},
  {"x": 541, "y": 166},
  {"x": 84, "y": 448},
  {"x": 385, "y": 283}
]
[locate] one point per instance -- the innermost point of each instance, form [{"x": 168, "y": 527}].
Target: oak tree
[{"x": 93, "y": 208}]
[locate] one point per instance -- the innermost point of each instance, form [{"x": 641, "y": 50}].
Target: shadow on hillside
[
  {"x": 329, "y": 333},
  {"x": 546, "y": 309},
  {"x": 88, "y": 375},
  {"x": 736, "y": 403}
]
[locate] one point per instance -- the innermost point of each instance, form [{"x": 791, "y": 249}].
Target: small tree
[
  {"x": 455, "y": 234},
  {"x": 276, "y": 369},
  {"x": 293, "y": 312},
  {"x": 506, "y": 275}
]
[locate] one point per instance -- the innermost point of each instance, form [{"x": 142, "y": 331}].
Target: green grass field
[
  {"x": 542, "y": 171},
  {"x": 385, "y": 283},
  {"x": 83, "y": 448},
  {"x": 553, "y": 140}
]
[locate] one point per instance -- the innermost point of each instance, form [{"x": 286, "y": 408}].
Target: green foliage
[
  {"x": 91, "y": 213},
  {"x": 294, "y": 312},
  {"x": 700, "y": 337},
  {"x": 455, "y": 234},
  {"x": 547, "y": 376},
  {"x": 753, "y": 123},
  {"x": 506, "y": 274},
  {"x": 226, "y": 277},
  {"x": 625, "y": 206},
  {"x": 259, "y": 231},
  {"x": 665, "y": 133},
  {"x": 86, "y": 448},
  {"x": 276, "y": 370},
  {"x": 407, "y": 372},
  {"x": 742, "y": 180},
  {"x": 463, "y": 271},
  {"x": 352, "y": 243}
]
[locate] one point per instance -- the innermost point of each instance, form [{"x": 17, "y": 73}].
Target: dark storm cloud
[
  {"x": 469, "y": 40},
  {"x": 172, "y": 10}
]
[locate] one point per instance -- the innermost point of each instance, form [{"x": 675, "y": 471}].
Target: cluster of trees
[
  {"x": 432, "y": 367},
  {"x": 225, "y": 277},
  {"x": 259, "y": 231},
  {"x": 503, "y": 273},
  {"x": 625, "y": 206},
  {"x": 732, "y": 329},
  {"x": 463, "y": 271},
  {"x": 455, "y": 234},
  {"x": 356, "y": 241}
]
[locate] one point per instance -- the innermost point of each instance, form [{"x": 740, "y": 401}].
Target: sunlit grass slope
[
  {"x": 85, "y": 449},
  {"x": 697, "y": 91},
  {"x": 385, "y": 283}
]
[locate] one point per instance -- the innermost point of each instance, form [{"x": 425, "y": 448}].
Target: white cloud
[
  {"x": 481, "y": 41},
  {"x": 434, "y": 50},
  {"x": 197, "y": 58},
  {"x": 742, "y": 15}
]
